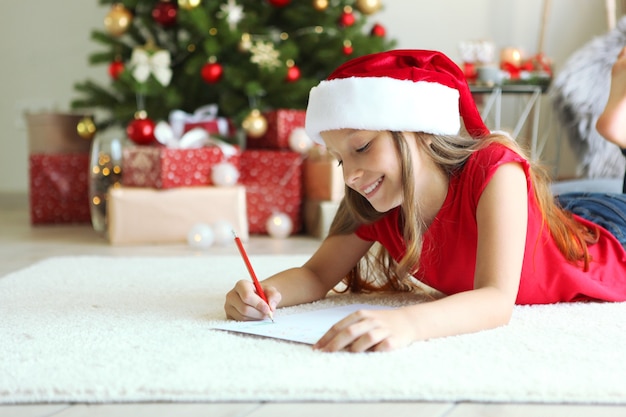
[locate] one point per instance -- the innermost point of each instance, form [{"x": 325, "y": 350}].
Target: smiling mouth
[{"x": 367, "y": 191}]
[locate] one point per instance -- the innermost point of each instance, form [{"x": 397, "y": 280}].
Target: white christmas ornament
[
  {"x": 200, "y": 236},
  {"x": 265, "y": 55},
  {"x": 232, "y": 13},
  {"x": 158, "y": 64},
  {"x": 223, "y": 232},
  {"x": 299, "y": 141},
  {"x": 279, "y": 225},
  {"x": 224, "y": 174}
]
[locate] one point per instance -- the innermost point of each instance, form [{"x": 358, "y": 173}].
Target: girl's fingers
[
  {"x": 243, "y": 303},
  {"x": 345, "y": 332},
  {"x": 273, "y": 296}
]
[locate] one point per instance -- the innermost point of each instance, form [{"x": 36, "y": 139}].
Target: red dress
[{"x": 449, "y": 253}]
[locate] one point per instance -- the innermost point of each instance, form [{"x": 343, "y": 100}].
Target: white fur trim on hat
[{"x": 382, "y": 103}]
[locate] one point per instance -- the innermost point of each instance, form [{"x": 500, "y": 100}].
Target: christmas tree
[{"x": 243, "y": 55}]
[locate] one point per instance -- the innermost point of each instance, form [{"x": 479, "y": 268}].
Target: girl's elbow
[
  {"x": 502, "y": 310},
  {"x": 506, "y": 312}
]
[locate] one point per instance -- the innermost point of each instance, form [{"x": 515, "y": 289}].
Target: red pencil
[{"x": 255, "y": 280}]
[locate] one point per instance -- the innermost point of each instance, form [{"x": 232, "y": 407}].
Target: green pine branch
[{"x": 202, "y": 34}]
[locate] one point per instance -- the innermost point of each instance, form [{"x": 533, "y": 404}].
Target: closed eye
[{"x": 363, "y": 148}]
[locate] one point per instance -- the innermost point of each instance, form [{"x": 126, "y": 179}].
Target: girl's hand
[
  {"x": 244, "y": 304},
  {"x": 369, "y": 330}
]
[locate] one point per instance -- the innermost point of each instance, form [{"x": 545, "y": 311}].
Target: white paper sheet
[{"x": 306, "y": 327}]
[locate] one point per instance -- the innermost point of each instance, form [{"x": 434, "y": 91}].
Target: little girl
[{"x": 468, "y": 215}]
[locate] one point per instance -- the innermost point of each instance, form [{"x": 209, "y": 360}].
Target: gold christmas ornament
[
  {"x": 369, "y": 6},
  {"x": 118, "y": 20},
  {"x": 320, "y": 5},
  {"x": 189, "y": 4},
  {"x": 255, "y": 124},
  {"x": 245, "y": 43},
  {"x": 86, "y": 128}
]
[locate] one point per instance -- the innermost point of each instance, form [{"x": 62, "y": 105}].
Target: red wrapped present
[
  {"x": 280, "y": 124},
  {"x": 162, "y": 167},
  {"x": 204, "y": 117},
  {"x": 59, "y": 188},
  {"x": 273, "y": 181}
]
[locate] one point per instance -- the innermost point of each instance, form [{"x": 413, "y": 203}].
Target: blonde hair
[{"x": 380, "y": 272}]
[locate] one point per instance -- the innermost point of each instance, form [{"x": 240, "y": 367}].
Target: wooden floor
[{"x": 22, "y": 244}]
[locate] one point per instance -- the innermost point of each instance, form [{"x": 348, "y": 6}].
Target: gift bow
[
  {"x": 195, "y": 138},
  {"x": 157, "y": 64},
  {"x": 178, "y": 119}
]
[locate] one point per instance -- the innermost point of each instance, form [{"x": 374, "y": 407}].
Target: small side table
[{"x": 531, "y": 92}]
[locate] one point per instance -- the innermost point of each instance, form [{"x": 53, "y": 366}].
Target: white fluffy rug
[{"x": 98, "y": 329}]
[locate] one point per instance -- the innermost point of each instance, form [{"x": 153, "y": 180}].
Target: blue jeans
[{"x": 606, "y": 210}]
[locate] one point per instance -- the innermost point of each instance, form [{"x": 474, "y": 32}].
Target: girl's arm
[
  {"x": 332, "y": 261},
  {"x": 502, "y": 218}
]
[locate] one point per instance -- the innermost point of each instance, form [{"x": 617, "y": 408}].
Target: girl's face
[{"x": 371, "y": 165}]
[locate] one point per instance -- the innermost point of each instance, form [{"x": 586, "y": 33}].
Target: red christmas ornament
[
  {"x": 378, "y": 30},
  {"x": 141, "y": 130},
  {"x": 115, "y": 69},
  {"x": 347, "y": 19},
  {"x": 347, "y": 49},
  {"x": 279, "y": 3},
  {"x": 211, "y": 72},
  {"x": 293, "y": 74},
  {"x": 164, "y": 13}
]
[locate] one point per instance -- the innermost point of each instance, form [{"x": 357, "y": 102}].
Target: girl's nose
[{"x": 351, "y": 174}]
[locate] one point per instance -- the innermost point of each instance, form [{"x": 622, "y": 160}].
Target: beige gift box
[
  {"x": 323, "y": 179},
  {"x": 318, "y": 216},
  {"x": 152, "y": 216}
]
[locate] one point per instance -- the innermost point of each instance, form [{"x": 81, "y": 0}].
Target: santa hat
[{"x": 400, "y": 90}]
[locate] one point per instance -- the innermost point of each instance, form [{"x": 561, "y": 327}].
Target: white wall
[{"x": 45, "y": 45}]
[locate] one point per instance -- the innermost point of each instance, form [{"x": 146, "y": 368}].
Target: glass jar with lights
[{"x": 105, "y": 170}]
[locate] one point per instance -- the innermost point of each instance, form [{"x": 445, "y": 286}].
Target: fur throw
[{"x": 579, "y": 93}]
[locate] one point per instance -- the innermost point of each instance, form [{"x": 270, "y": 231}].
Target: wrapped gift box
[
  {"x": 323, "y": 178},
  {"x": 280, "y": 124},
  {"x": 58, "y": 168},
  {"x": 221, "y": 127},
  {"x": 161, "y": 167},
  {"x": 55, "y": 133},
  {"x": 318, "y": 216},
  {"x": 151, "y": 216},
  {"x": 273, "y": 181},
  {"x": 59, "y": 188},
  {"x": 205, "y": 117}
]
